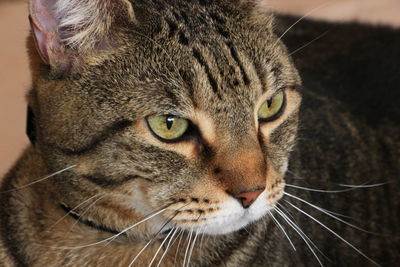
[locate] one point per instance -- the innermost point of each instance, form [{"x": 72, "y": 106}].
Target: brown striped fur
[{"x": 212, "y": 62}]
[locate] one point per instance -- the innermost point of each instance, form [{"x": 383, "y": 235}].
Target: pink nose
[{"x": 247, "y": 198}]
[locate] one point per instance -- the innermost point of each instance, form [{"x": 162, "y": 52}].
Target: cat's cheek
[{"x": 274, "y": 178}]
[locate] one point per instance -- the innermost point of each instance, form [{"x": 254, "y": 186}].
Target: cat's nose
[{"x": 247, "y": 198}]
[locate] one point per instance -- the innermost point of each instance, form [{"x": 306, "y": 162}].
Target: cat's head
[{"x": 187, "y": 106}]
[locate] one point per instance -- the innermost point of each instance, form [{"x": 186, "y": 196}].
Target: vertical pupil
[
  {"x": 169, "y": 122},
  {"x": 269, "y": 102}
]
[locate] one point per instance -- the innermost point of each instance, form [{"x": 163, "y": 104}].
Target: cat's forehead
[
  {"x": 182, "y": 57},
  {"x": 210, "y": 53}
]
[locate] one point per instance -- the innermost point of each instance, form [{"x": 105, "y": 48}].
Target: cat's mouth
[{"x": 222, "y": 217}]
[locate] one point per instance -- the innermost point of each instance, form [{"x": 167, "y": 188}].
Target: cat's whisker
[
  {"x": 300, "y": 19},
  {"x": 247, "y": 231},
  {"x": 39, "y": 180},
  {"x": 72, "y": 210},
  {"x": 140, "y": 252},
  {"x": 288, "y": 213},
  {"x": 166, "y": 223},
  {"x": 158, "y": 250},
  {"x": 363, "y": 185},
  {"x": 334, "y": 233},
  {"x": 168, "y": 246},
  {"x": 179, "y": 244},
  {"x": 310, "y": 42},
  {"x": 116, "y": 235},
  {"x": 191, "y": 249},
  {"x": 159, "y": 231},
  {"x": 187, "y": 247},
  {"x": 351, "y": 188},
  {"x": 330, "y": 214},
  {"x": 319, "y": 190},
  {"x": 301, "y": 233},
  {"x": 177, "y": 236},
  {"x": 84, "y": 212},
  {"x": 202, "y": 240},
  {"x": 154, "y": 238},
  {"x": 282, "y": 229}
]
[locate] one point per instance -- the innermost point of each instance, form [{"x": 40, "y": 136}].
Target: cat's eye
[
  {"x": 168, "y": 127},
  {"x": 272, "y": 108}
]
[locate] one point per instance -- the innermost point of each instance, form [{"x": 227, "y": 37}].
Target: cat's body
[{"x": 342, "y": 140}]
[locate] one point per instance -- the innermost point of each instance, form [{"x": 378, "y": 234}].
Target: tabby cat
[{"x": 165, "y": 132}]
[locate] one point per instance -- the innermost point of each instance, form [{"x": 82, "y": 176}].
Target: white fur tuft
[{"x": 82, "y": 23}]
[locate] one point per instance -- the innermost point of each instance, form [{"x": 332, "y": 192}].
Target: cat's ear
[
  {"x": 261, "y": 12},
  {"x": 259, "y": 4},
  {"x": 65, "y": 30}
]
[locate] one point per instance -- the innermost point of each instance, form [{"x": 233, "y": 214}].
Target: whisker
[
  {"x": 247, "y": 231},
  {"x": 86, "y": 210},
  {"x": 334, "y": 233},
  {"x": 170, "y": 243},
  {"x": 154, "y": 238},
  {"x": 330, "y": 214},
  {"x": 310, "y": 42},
  {"x": 191, "y": 250},
  {"x": 158, "y": 250},
  {"x": 72, "y": 210},
  {"x": 320, "y": 190},
  {"x": 167, "y": 222},
  {"x": 179, "y": 244},
  {"x": 39, "y": 180},
  {"x": 187, "y": 248},
  {"x": 300, "y": 232},
  {"x": 116, "y": 235},
  {"x": 202, "y": 241},
  {"x": 288, "y": 213},
  {"x": 300, "y": 19},
  {"x": 282, "y": 229},
  {"x": 363, "y": 186},
  {"x": 352, "y": 188},
  {"x": 140, "y": 252}
]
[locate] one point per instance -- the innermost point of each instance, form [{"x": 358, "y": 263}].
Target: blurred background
[{"x": 15, "y": 77}]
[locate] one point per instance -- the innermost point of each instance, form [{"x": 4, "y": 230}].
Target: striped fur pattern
[{"x": 119, "y": 196}]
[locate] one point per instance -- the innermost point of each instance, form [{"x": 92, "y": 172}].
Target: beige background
[{"x": 14, "y": 74}]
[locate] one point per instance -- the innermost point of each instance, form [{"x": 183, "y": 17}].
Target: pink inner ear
[
  {"x": 44, "y": 27},
  {"x": 40, "y": 40}
]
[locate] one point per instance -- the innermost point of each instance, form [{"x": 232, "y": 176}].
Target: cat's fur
[{"x": 213, "y": 62}]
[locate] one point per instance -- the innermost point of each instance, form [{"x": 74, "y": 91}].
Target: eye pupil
[
  {"x": 269, "y": 102},
  {"x": 169, "y": 122},
  {"x": 167, "y": 127},
  {"x": 272, "y": 107}
]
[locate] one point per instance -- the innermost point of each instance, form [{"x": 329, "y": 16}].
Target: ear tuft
[
  {"x": 263, "y": 5},
  {"x": 261, "y": 13},
  {"x": 66, "y": 28},
  {"x": 83, "y": 23}
]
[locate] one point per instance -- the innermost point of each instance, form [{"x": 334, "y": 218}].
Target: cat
[{"x": 167, "y": 133}]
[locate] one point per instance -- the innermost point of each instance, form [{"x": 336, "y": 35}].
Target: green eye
[
  {"x": 168, "y": 127},
  {"x": 271, "y": 109}
]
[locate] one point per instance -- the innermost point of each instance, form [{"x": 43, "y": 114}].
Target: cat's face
[{"x": 195, "y": 111}]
